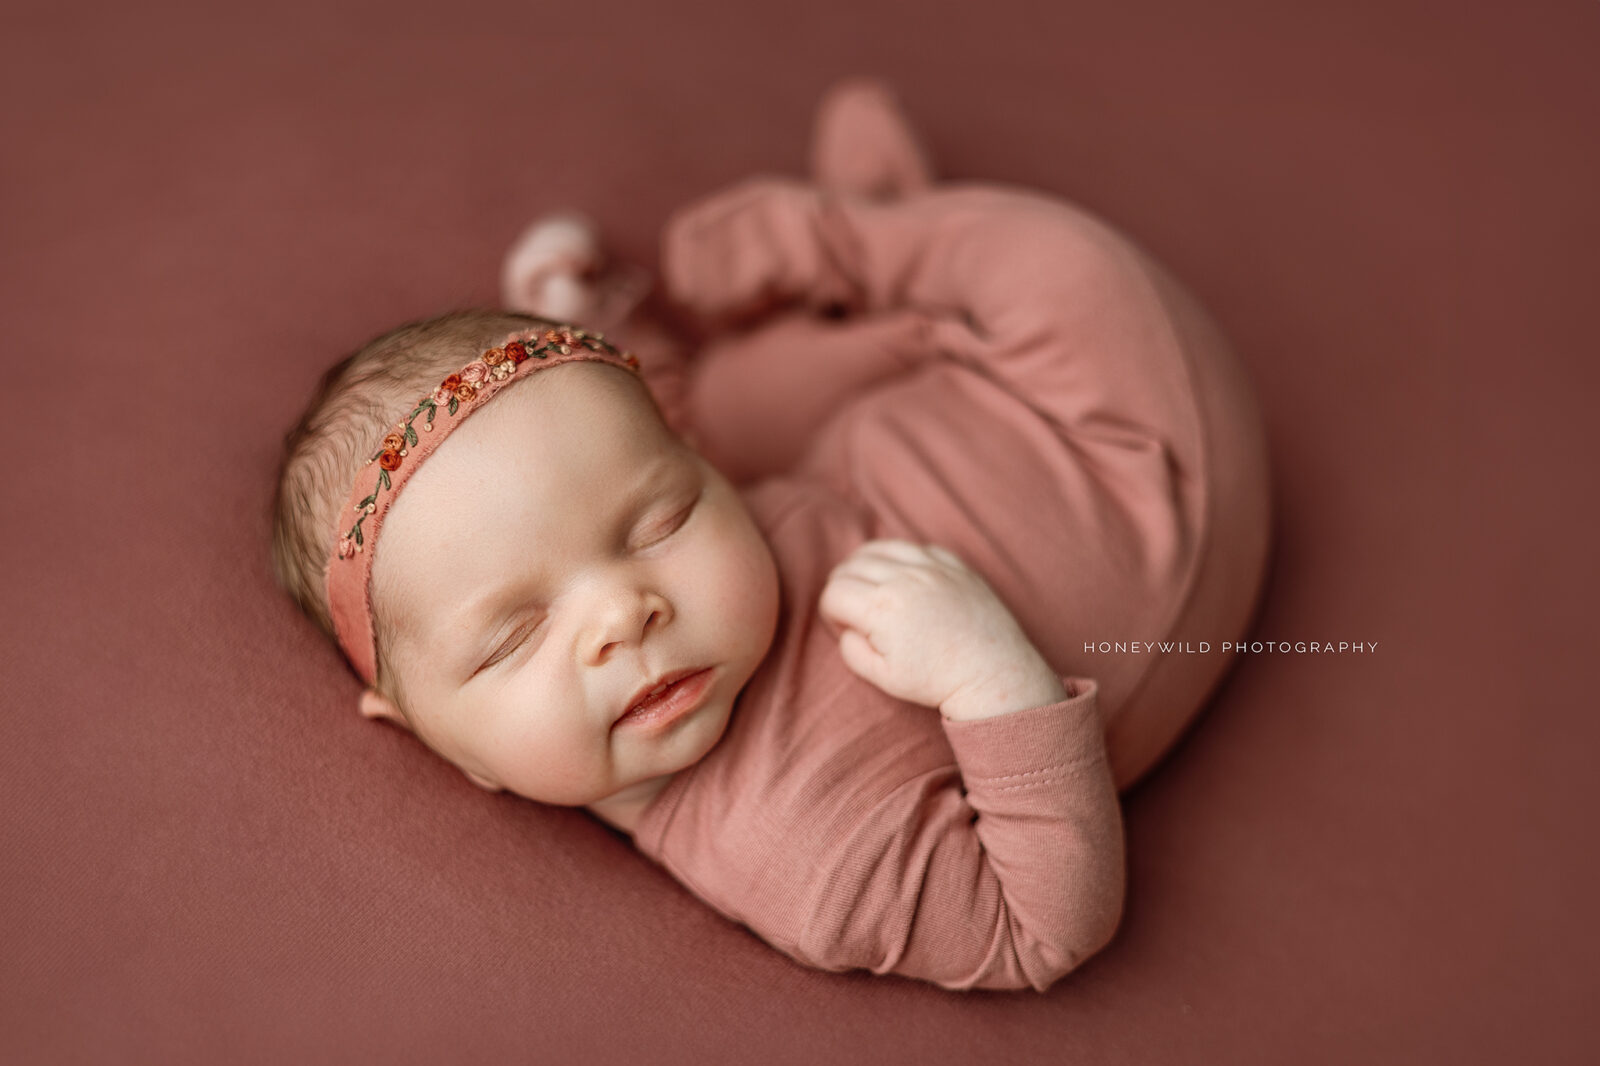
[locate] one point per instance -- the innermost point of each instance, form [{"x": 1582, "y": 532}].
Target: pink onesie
[{"x": 1017, "y": 382}]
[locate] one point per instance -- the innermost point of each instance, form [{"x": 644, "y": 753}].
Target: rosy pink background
[{"x": 210, "y": 857}]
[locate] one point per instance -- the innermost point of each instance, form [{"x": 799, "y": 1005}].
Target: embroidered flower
[
  {"x": 561, "y": 339},
  {"x": 394, "y": 442},
  {"x": 347, "y": 547},
  {"x": 389, "y": 460},
  {"x": 446, "y": 390},
  {"x": 474, "y": 372},
  {"x": 465, "y": 392},
  {"x": 494, "y": 356},
  {"x": 516, "y": 352}
]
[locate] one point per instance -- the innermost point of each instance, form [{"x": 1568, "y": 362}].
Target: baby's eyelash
[
  {"x": 682, "y": 517},
  {"x": 679, "y": 519},
  {"x": 517, "y": 640}
]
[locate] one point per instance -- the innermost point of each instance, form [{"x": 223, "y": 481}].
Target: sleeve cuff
[{"x": 1014, "y": 748}]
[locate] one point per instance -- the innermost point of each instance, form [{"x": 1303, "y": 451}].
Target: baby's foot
[
  {"x": 862, "y": 143},
  {"x": 557, "y": 269}
]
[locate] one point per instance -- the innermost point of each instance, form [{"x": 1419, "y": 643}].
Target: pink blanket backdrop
[{"x": 210, "y": 857}]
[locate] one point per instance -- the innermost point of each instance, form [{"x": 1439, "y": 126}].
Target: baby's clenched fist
[{"x": 922, "y": 626}]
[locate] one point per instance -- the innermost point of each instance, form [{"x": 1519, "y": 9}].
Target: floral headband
[{"x": 349, "y": 570}]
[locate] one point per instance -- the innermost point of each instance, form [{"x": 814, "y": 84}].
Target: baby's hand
[{"x": 919, "y": 624}]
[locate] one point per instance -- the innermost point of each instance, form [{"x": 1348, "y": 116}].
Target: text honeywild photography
[{"x": 1202, "y": 647}]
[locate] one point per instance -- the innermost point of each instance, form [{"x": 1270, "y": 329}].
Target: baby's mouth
[{"x": 661, "y": 698}]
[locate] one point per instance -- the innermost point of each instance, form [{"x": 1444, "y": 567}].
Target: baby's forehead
[
  {"x": 558, "y": 463},
  {"x": 593, "y": 392},
  {"x": 584, "y": 418}
]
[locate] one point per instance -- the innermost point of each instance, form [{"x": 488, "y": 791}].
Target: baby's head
[{"x": 559, "y": 552}]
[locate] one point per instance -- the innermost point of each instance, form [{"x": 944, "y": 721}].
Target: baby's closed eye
[
  {"x": 515, "y": 641},
  {"x": 674, "y": 520}
]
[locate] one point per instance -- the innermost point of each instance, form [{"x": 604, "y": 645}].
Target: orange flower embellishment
[
  {"x": 389, "y": 460},
  {"x": 393, "y": 442},
  {"x": 562, "y": 340}
]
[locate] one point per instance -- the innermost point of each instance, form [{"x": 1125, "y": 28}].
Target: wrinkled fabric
[{"x": 1001, "y": 373}]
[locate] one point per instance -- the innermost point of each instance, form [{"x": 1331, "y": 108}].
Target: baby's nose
[
  {"x": 623, "y": 623},
  {"x": 652, "y": 620}
]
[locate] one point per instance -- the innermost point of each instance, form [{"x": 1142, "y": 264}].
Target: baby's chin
[
  {"x": 696, "y": 738},
  {"x": 712, "y": 727},
  {"x": 691, "y": 740}
]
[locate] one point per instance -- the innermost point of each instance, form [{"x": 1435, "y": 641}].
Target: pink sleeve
[
  {"x": 1015, "y": 883},
  {"x": 1036, "y": 885}
]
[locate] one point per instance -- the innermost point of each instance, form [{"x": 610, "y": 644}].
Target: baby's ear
[{"x": 374, "y": 704}]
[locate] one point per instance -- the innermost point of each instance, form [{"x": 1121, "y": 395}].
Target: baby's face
[{"x": 561, "y": 551}]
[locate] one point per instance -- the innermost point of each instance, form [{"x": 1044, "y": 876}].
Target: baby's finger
[
  {"x": 846, "y": 600},
  {"x": 861, "y": 657},
  {"x": 944, "y": 554},
  {"x": 875, "y": 569},
  {"x": 904, "y": 551}
]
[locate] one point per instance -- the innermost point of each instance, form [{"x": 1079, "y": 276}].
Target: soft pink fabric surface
[
  {"x": 1046, "y": 400},
  {"x": 1066, "y": 419}
]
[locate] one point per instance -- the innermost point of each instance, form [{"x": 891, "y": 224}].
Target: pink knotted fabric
[{"x": 435, "y": 416}]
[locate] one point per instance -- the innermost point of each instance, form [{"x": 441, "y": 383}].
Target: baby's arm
[{"x": 1032, "y": 885}]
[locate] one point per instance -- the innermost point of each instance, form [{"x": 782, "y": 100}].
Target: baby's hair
[{"x": 357, "y": 400}]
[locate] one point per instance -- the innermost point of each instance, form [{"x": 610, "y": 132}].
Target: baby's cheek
[
  {"x": 748, "y": 582},
  {"x": 549, "y": 754}
]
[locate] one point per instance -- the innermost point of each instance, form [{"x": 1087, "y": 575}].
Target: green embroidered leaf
[
  {"x": 453, "y": 405},
  {"x": 411, "y": 434},
  {"x": 362, "y": 505},
  {"x": 358, "y": 533},
  {"x": 383, "y": 479}
]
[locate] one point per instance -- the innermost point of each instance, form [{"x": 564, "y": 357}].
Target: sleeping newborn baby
[{"x": 857, "y": 616}]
